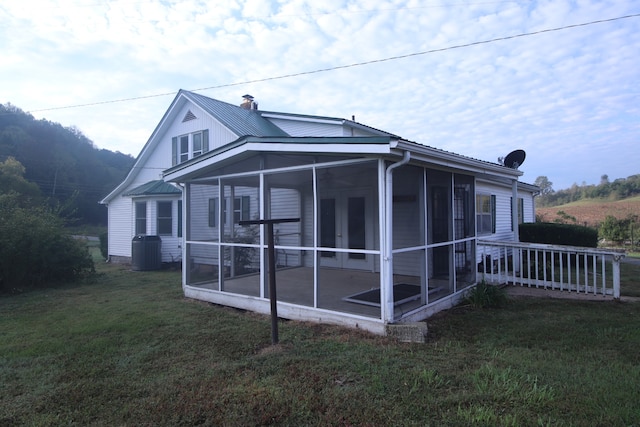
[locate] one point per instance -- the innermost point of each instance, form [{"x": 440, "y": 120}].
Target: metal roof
[
  {"x": 240, "y": 121},
  {"x": 153, "y": 188}
]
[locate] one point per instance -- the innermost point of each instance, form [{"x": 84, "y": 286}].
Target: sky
[{"x": 559, "y": 79}]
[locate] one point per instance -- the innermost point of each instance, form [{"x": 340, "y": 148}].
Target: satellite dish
[{"x": 514, "y": 159}]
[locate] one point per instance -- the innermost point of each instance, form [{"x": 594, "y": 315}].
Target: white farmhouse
[{"x": 388, "y": 228}]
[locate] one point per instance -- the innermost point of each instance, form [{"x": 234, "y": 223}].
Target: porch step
[{"x": 408, "y": 332}]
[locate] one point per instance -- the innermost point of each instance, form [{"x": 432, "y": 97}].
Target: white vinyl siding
[
  {"x": 201, "y": 228},
  {"x": 120, "y": 233},
  {"x": 287, "y": 203}
]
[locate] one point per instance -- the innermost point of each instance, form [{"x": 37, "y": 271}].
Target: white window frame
[
  {"x": 140, "y": 222},
  {"x": 189, "y": 145},
  {"x": 164, "y": 219},
  {"x": 183, "y": 148},
  {"x": 241, "y": 210},
  {"x": 485, "y": 210}
]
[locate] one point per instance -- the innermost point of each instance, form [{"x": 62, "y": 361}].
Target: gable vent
[{"x": 189, "y": 116}]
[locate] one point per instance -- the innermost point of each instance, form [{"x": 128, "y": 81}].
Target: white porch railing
[{"x": 564, "y": 268}]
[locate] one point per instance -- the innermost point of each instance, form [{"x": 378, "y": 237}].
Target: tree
[
  {"x": 67, "y": 167},
  {"x": 34, "y": 248},
  {"x": 617, "y": 230},
  {"x": 12, "y": 181},
  {"x": 546, "y": 186}
]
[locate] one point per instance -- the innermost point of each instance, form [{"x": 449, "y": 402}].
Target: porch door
[{"x": 346, "y": 221}]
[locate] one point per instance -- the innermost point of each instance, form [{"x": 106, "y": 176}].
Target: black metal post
[{"x": 271, "y": 254}]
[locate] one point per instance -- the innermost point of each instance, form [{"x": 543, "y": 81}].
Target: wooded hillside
[
  {"x": 590, "y": 205},
  {"x": 618, "y": 189},
  {"x": 65, "y": 164}
]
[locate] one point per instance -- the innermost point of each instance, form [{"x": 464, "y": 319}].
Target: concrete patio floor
[{"x": 295, "y": 285}]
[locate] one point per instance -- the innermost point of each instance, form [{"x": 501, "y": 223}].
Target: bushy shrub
[
  {"x": 558, "y": 234},
  {"x": 34, "y": 249},
  {"x": 104, "y": 245},
  {"x": 485, "y": 295},
  {"x": 617, "y": 230}
]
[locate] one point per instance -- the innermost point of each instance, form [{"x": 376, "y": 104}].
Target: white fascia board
[
  {"x": 274, "y": 147},
  {"x": 522, "y": 186},
  {"x": 455, "y": 161},
  {"x": 329, "y": 148}
]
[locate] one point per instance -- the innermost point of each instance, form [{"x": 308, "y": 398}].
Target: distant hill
[
  {"x": 64, "y": 163},
  {"x": 619, "y": 189},
  {"x": 590, "y": 212}
]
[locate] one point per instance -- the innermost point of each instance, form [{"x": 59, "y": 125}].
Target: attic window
[{"x": 189, "y": 116}]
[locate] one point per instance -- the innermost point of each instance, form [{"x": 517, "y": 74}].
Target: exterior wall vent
[{"x": 189, "y": 116}]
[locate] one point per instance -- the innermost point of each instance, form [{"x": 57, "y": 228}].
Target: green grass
[
  {"x": 630, "y": 279},
  {"x": 128, "y": 349}
]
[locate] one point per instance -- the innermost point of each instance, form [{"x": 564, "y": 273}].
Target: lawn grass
[
  {"x": 630, "y": 279},
  {"x": 128, "y": 349}
]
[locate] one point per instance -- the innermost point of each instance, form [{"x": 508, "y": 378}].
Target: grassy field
[
  {"x": 128, "y": 349},
  {"x": 592, "y": 211}
]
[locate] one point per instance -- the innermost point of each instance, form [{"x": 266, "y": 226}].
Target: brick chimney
[{"x": 248, "y": 103}]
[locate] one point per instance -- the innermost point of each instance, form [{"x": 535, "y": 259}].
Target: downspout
[
  {"x": 514, "y": 222},
  {"x": 387, "y": 293}
]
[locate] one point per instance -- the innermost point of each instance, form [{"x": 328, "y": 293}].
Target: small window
[
  {"x": 141, "y": 217},
  {"x": 213, "y": 212},
  {"x": 184, "y": 148},
  {"x": 197, "y": 144},
  {"x": 520, "y": 211},
  {"x": 485, "y": 213},
  {"x": 188, "y": 146},
  {"x": 165, "y": 222},
  {"x": 241, "y": 206},
  {"x": 241, "y": 210}
]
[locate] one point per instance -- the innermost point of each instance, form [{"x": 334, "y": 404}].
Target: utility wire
[{"x": 357, "y": 64}]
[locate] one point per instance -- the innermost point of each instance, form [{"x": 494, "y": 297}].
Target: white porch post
[
  {"x": 616, "y": 276},
  {"x": 387, "y": 286},
  {"x": 186, "y": 234}
]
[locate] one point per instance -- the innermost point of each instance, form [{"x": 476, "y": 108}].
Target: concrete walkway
[{"x": 518, "y": 291}]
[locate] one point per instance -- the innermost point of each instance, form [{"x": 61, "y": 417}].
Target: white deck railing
[{"x": 563, "y": 268}]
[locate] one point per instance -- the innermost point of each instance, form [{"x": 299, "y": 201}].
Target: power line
[{"x": 357, "y": 64}]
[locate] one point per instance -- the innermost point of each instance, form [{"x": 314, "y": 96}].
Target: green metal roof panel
[
  {"x": 153, "y": 188},
  {"x": 240, "y": 121}
]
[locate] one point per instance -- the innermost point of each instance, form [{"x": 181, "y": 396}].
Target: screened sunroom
[{"x": 386, "y": 234}]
